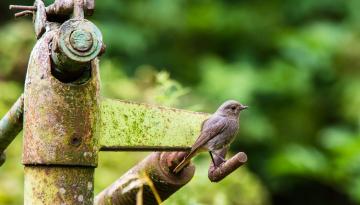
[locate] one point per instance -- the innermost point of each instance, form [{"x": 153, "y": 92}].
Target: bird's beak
[{"x": 243, "y": 107}]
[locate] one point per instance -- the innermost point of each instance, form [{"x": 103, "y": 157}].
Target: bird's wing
[{"x": 208, "y": 132}]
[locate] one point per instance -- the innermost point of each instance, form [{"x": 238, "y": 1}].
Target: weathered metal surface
[
  {"x": 23, "y": 13},
  {"x": 21, "y": 7},
  {"x": 65, "y": 7},
  {"x": 39, "y": 18},
  {"x": 133, "y": 126},
  {"x": 60, "y": 118},
  {"x": 78, "y": 11},
  {"x": 46, "y": 185},
  {"x": 221, "y": 170},
  {"x": 78, "y": 42},
  {"x": 11, "y": 124},
  {"x": 24, "y": 10},
  {"x": 216, "y": 172},
  {"x": 154, "y": 167}
]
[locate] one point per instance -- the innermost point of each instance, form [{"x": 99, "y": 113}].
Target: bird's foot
[{"x": 218, "y": 158}]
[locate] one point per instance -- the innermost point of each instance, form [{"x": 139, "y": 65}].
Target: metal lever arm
[
  {"x": 10, "y": 125},
  {"x": 221, "y": 170}
]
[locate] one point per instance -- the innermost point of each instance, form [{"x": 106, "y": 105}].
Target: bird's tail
[{"x": 185, "y": 161}]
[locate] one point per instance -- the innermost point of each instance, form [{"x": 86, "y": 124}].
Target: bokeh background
[{"x": 296, "y": 63}]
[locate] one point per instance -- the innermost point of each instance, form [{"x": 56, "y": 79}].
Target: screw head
[{"x": 81, "y": 40}]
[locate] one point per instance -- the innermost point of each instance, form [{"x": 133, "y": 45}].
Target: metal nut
[{"x": 81, "y": 40}]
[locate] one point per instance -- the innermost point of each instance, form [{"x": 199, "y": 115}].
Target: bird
[{"x": 217, "y": 132}]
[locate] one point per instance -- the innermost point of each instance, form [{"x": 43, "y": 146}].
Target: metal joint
[{"x": 152, "y": 178}]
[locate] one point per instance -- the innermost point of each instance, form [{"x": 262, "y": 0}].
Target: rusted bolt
[
  {"x": 76, "y": 44},
  {"x": 81, "y": 40}
]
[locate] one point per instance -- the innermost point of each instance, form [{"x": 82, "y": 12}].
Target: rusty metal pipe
[
  {"x": 11, "y": 124},
  {"x": 23, "y": 13},
  {"x": 155, "y": 167},
  {"x": 21, "y": 7},
  {"x": 219, "y": 172}
]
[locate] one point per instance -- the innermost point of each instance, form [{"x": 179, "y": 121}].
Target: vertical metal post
[
  {"x": 58, "y": 185},
  {"x": 60, "y": 123}
]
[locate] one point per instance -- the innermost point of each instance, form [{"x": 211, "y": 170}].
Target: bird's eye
[{"x": 233, "y": 107}]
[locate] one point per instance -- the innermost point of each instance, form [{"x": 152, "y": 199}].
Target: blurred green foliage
[{"x": 295, "y": 63}]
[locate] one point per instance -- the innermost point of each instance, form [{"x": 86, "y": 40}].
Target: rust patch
[
  {"x": 155, "y": 167},
  {"x": 58, "y": 185},
  {"x": 60, "y": 118}
]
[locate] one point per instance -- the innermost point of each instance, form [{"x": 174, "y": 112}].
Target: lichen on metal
[
  {"x": 60, "y": 118},
  {"x": 46, "y": 185},
  {"x": 134, "y": 126},
  {"x": 11, "y": 124},
  {"x": 77, "y": 42}
]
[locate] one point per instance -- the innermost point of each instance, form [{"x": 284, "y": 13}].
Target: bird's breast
[{"x": 224, "y": 138}]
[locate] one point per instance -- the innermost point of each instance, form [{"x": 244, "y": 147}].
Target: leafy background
[{"x": 295, "y": 63}]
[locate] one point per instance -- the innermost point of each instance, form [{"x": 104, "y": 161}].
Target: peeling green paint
[{"x": 133, "y": 126}]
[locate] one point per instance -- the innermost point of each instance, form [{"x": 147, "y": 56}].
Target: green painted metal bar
[
  {"x": 134, "y": 126},
  {"x": 11, "y": 124}
]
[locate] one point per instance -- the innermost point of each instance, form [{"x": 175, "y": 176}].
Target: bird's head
[{"x": 231, "y": 108}]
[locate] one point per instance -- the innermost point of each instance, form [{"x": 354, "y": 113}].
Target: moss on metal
[
  {"x": 60, "y": 118},
  {"x": 132, "y": 126},
  {"x": 11, "y": 124},
  {"x": 46, "y": 185}
]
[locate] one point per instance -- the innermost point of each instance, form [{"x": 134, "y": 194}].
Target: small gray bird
[{"x": 217, "y": 132}]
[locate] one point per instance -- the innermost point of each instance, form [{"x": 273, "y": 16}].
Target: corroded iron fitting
[
  {"x": 38, "y": 11},
  {"x": 60, "y": 119},
  {"x": 156, "y": 168},
  {"x": 219, "y": 172},
  {"x": 77, "y": 42},
  {"x": 65, "y": 7}
]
